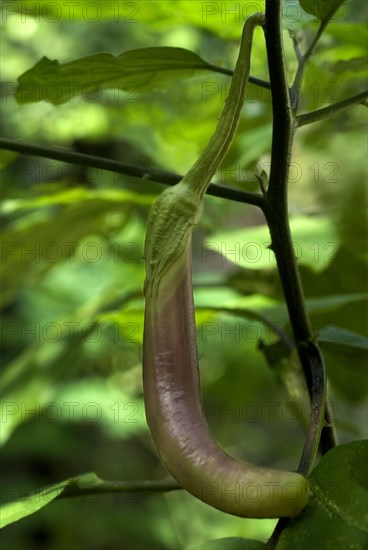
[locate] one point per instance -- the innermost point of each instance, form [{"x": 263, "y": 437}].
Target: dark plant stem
[
  {"x": 280, "y": 526},
  {"x": 276, "y": 204},
  {"x": 326, "y": 112},
  {"x": 276, "y": 212},
  {"x": 140, "y": 172},
  {"x": 101, "y": 487},
  {"x": 229, "y": 72}
]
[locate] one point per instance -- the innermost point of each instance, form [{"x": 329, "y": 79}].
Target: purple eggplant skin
[
  {"x": 175, "y": 415},
  {"x": 170, "y": 361}
]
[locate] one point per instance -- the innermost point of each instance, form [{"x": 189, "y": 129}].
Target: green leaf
[
  {"x": 336, "y": 335},
  {"x": 27, "y": 505},
  {"x": 345, "y": 354},
  {"x": 232, "y": 543},
  {"x": 133, "y": 71},
  {"x": 323, "y": 9},
  {"x": 351, "y": 65},
  {"x": 334, "y": 302},
  {"x": 314, "y": 240},
  {"x": 347, "y": 371},
  {"x": 337, "y": 513}
]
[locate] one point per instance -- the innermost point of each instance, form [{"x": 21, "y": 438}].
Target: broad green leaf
[
  {"x": 314, "y": 240},
  {"x": 347, "y": 371},
  {"x": 337, "y": 335},
  {"x": 337, "y": 513},
  {"x": 232, "y": 543},
  {"x": 29, "y": 504},
  {"x": 345, "y": 354},
  {"x": 353, "y": 64},
  {"x": 133, "y": 71},
  {"x": 77, "y": 486},
  {"x": 334, "y": 302},
  {"x": 323, "y": 9}
]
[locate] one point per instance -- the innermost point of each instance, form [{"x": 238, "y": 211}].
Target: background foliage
[{"x": 73, "y": 273}]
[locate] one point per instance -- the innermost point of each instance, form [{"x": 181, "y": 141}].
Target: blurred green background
[{"x": 72, "y": 270}]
